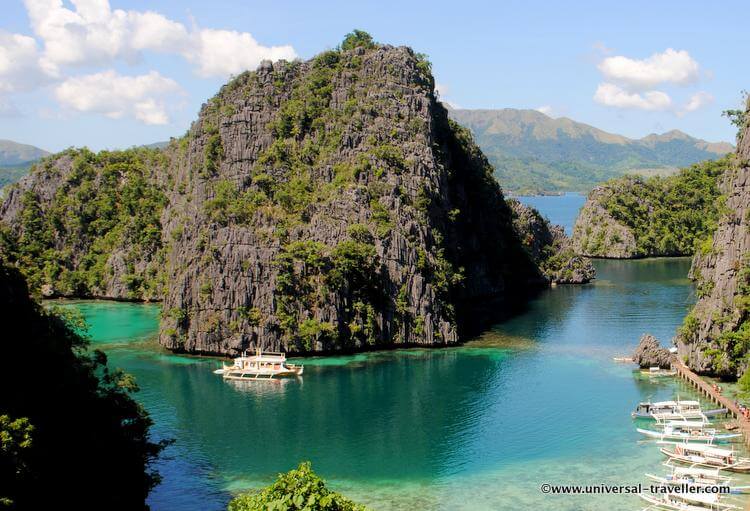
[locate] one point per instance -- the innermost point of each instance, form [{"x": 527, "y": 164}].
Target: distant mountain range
[
  {"x": 15, "y": 160},
  {"x": 533, "y": 152}
]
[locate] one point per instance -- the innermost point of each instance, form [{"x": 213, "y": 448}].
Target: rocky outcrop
[
  {"x": 715, "y": 336},
  {"x": 650, "y": 353},
  {"x": 597, "y": 233},
  {"x": 313, "y": 206},
  {"x": 87, "y": 225},
  {"x": 659, "y": 216},
  {"x": 550, "y": 247}
]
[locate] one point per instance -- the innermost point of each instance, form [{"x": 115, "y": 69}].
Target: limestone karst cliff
[
  {"x": 312, "y": 206},
  {"x": 715, "y": 336},
  {"x": 633, "y": 217},
  {"x": 549, "y": 247}
]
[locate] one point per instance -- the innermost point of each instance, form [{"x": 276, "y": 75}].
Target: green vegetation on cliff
[
  {"x": 329, "y": 204},
  {"x": 658, "y": 216},
  {"x": 715, "y": 335},
  {"x": 299, "y": 489},
  {"x": 549, "y": 247},
  {"x": 71, "y": 435},
  {"x": 105, "y": 211},
  {"x": 670, "y": 215}
]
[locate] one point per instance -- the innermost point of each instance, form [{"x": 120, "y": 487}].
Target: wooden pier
[
  {"x": 709, "y": 392},
  {"x": 712, "y": 394}
]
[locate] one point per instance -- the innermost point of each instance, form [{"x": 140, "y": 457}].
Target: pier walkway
[{"x": 709, "y": 392}]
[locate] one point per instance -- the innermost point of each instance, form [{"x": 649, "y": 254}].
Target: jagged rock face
[
  {"x": 85, "y": 224},
  {"x": 597, "y": 233},
  {"x": 650, "y": 353},
  {"x": 646, "y": 217},
  {"x": 313, "y": 206},
  {"x": 369, "y": 218},
  {"x": 549, "y": 247},
  {"x": 714, "y": 336}
]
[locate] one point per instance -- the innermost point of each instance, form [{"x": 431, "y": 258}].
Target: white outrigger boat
[
  {"x": 674, "y": 410},
  {"x": 261, "y": 366},
  {"x": 705, "y": 455},
  {"x": 697, "y": 477},
  {"x": 657, "y": 372},
  {"x": 686, "y": 502},
  {"x": 693, "y": 431}
]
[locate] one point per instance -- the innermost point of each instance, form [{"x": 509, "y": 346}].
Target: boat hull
[{"x": 239, "y": 374}]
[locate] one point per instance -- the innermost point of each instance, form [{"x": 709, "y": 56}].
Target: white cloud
[
  {"x": 142, "y": 97},
  {"x": 545, "y": 109},
  {"x": 698, "y": 100},
  {"x": 671, "y": 66},
  {"x": 442, "y": 90},
  {"x": 19, "y": 63},
  {"x": 225, "y": 52},
  {"x": 609, "y": 94},
  {"x": 94, "y": 34}
]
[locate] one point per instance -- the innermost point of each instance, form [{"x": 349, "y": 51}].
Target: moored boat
[
  {"x": 657, "y": 372},
  {"x": 674, "y": 410},
  {"x": 697, "y": 477},
  {"x": 693, "y": 431},
  {"x": 261, "y": 366},
  {"x": 707, "y": 456},
  {"x": 687, "y": 501}
]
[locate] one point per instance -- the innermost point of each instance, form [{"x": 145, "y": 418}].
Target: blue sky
[{"x": 117, "y": 73}]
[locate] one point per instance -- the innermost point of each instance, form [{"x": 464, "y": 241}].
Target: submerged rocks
[
  {"x": 650, "y": 353},
  {"x": 550, "y": 247}
]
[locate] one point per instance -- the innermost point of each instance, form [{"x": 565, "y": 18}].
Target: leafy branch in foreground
[{"x": 298, "y": 489}]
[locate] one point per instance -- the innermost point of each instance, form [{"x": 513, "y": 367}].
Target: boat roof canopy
[{"x": 687, "y": 424}]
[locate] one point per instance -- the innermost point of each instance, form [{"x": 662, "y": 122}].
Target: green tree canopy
[
  {"x": 298, "y": 489},
  {"x": 71, "y": 436},
  {"x": 357, "y": 38}
]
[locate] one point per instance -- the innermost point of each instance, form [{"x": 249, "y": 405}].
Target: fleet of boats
[{"x": 695, "y": 479}]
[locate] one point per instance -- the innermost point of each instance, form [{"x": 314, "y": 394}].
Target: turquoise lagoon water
[{"x": 536, "y": 399}]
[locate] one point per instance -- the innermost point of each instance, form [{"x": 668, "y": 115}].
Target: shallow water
[{"x": 536, "y": 399}]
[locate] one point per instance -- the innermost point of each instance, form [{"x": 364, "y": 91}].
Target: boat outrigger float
[{"x": 261, "y": 366}]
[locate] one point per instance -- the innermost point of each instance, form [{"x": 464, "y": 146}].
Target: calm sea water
[
  {"x": 536, "y": 399},
  {"x": 562, "y": 209}
]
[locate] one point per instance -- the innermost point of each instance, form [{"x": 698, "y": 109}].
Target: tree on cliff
[{"x": 71, "y": 436}]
